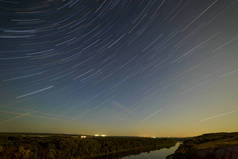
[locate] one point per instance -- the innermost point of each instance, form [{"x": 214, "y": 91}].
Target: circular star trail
[{"x": 101, "y": 63}]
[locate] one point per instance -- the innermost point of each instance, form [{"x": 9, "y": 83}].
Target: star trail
[{"x": 119, "y": 67}]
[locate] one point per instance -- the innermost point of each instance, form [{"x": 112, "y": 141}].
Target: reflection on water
[{"x": 158, "y": 154}]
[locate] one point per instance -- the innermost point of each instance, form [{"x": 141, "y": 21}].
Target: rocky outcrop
[
  {"x": 221, "y": 153},
  {"x": 209, "y": 146}
]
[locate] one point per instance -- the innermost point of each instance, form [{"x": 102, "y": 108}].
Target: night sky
[{"x": 119, "y": 67}]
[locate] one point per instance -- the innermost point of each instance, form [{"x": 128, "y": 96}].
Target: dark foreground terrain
[
  {"x": 209, "y": 146},
  {"x": 49, "y": 146}
]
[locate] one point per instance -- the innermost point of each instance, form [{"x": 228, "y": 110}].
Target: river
[{"x": 158, "y": 154}]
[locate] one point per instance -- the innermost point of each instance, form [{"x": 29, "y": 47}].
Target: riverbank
[
  {"x": 209, "y": 146},
  {"x": 50, "y": 146}
]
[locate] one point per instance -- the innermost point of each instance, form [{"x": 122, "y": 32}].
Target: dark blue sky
[{"x": 119, "y": 67}]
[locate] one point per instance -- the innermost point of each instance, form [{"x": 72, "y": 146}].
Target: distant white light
[{"x": 103, "y": 135}]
